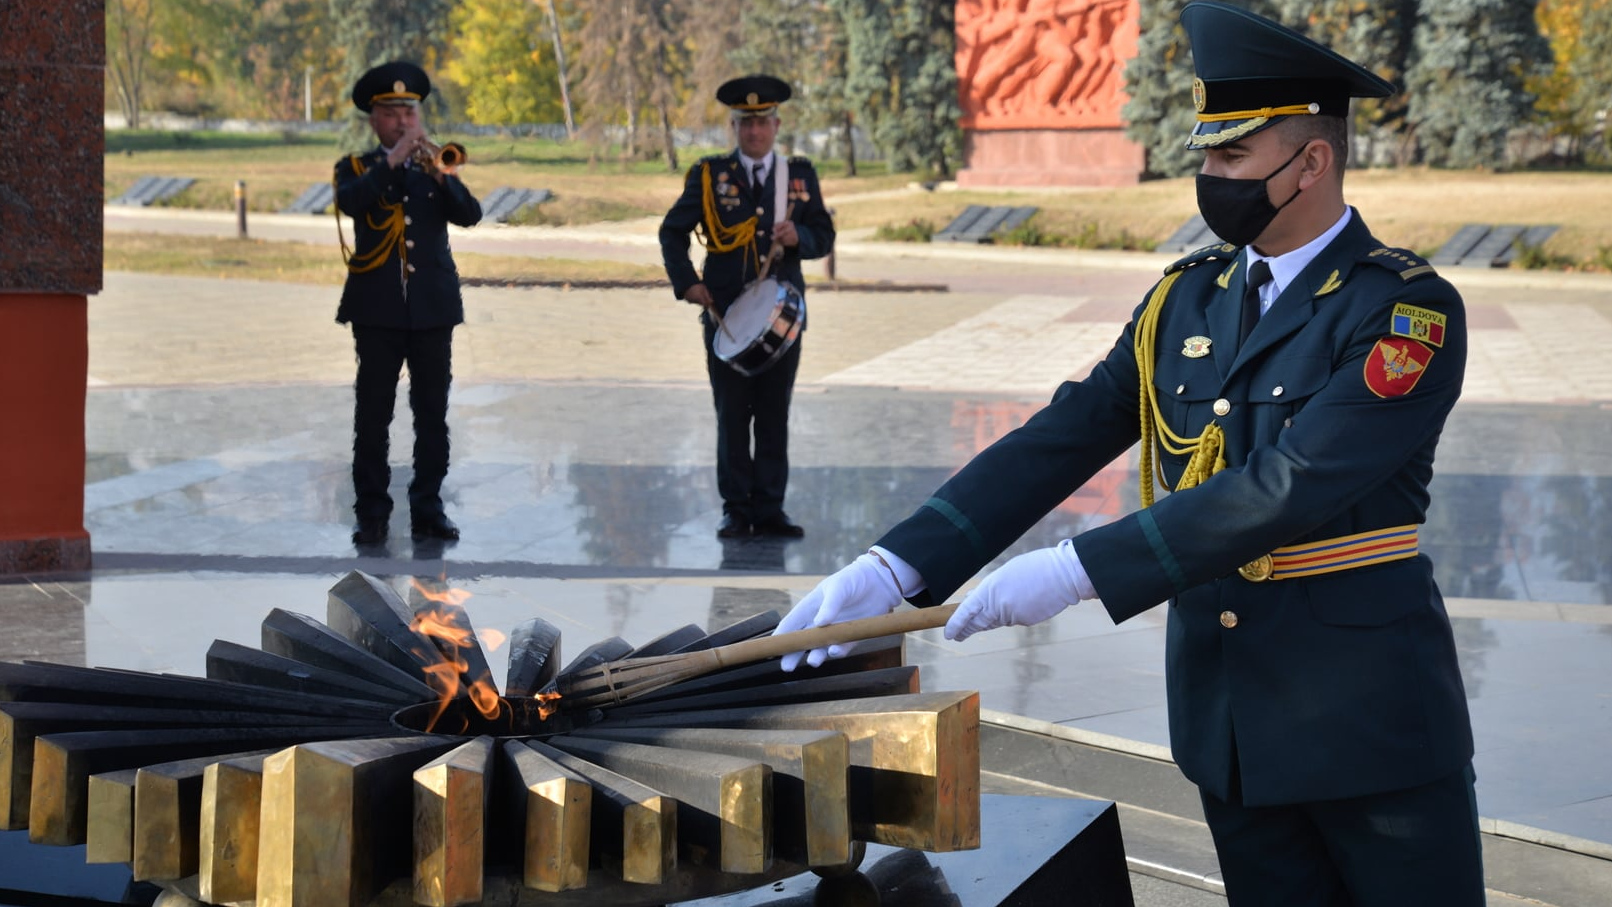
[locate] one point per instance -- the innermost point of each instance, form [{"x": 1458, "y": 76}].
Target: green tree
[
  {"x": 633, "y": 61},
  {"x": 901, "y": 75},
  {"x": 129, "y": 27},
  {"x": 801, "y": 42},
  {"x": 371, "y": 32},
  {"x": 1467, "y": 84},
  {"x": 1377, "y": 34},
  {"x": 1574, "y": 95},
  {"x": 1159, "y": 115},
  {"x": 503, "y": 62}
]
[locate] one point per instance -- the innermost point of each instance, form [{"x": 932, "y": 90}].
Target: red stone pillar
[{"x": 52, "y": 72}]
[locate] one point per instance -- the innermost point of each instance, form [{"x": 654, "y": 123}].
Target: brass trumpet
[{"x": 434, "y": 158}]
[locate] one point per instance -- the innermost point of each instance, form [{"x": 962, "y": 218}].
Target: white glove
[
  {"x": 862, "y": 588},
  {"x": 1026, "y": 590}
]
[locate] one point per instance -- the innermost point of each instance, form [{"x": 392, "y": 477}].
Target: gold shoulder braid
[
  {"x": 713, "y": 234},
  {"x": 1207, "y": 451},
  {"x": 392, "y": 227}
]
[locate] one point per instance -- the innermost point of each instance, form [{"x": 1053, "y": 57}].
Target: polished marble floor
[{"x": 591, "y": 503}]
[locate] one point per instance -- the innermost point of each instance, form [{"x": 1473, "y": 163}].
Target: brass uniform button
[
  {"x": 1180, "y": 388},
  {"x": 1276, "y": 391},
  {"x": 409, "y": 243},
  {"x": 410, "y": 268},
  {"x": 1222, "y": 406},
  {"x": 407, "y": 220},
  {"x": 1228, "y": 619}
]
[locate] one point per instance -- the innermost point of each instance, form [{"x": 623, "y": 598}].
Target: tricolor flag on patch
[{"x": 1418, "y": 324}]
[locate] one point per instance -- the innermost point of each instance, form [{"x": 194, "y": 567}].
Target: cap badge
[
  {"x": 399, "y": 87},
  {"x": 1195, "y": 347},
  {"x": 752, "y": 99},
  {"x": 1199, "y": 95}
]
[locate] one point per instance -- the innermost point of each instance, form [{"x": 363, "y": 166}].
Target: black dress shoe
[
  {"x": 779, "y": 525},
  {"x": 733, "y": 527},
  {"x": 369, "y": 532},
  {"x": 435, "y": 526}
]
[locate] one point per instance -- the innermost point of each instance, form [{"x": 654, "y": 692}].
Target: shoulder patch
[
  {"x": 1418, "y": 323},
  {"x": 1408, "y": 265},
  {"x": 1207, "y": 253}
]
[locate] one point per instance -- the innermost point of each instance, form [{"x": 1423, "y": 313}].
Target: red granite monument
[
  {"x": 52, "y": 69},
  {"x": 1041, "y": 84}
]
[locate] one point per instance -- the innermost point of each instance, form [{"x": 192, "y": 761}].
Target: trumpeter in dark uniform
[
  {"x": 733, "y": 201},
  {"x": 1288, "y": 386},
  {"x": 401, "y": 297}
]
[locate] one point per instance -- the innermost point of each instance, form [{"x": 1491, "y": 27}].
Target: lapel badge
[
  {"x": 1195, "y": 347},
  {"x": 1224, "y": 280},
  {"x": 722, "y": 177}
]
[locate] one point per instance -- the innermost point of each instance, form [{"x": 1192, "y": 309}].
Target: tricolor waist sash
[{"x": 1345, "y": 552}]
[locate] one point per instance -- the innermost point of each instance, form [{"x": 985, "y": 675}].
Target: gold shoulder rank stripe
[
  {"x": 1207, "y": 253},
  {"x": 1407, "y": 265}
]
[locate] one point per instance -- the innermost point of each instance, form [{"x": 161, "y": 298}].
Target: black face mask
[{"x": 1239, "y": 210}]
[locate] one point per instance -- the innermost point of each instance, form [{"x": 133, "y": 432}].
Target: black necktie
[
  {"x": 756, "y": 173},
  {"x": 1259, "y": 274}
]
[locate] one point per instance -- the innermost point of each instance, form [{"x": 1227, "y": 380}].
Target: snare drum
[{"x": 761, "y": 326}]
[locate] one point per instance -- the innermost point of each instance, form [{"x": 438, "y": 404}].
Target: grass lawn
[
  {"x": 1414, "y": 208},
  {"x": 295, "y": 262}
]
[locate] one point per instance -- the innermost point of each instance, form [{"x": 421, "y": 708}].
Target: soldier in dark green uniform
[
  {"x": 1289, "y": 387},
  {"x": 732, "y": 200},
  {"x": 401, "y": 297}
]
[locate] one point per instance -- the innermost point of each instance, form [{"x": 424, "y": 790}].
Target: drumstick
[
  {"x": 775, "y": 249},
  {"x": 712, "y": 309}
]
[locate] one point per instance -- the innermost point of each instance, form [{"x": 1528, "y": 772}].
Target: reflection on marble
[{"x": 647, "y": 500}]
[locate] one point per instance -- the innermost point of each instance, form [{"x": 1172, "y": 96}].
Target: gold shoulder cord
[
  {"x": 1207, "y": 450},
  {"x": 711, "y": 232},
  {"x": 392, "y": 226}
]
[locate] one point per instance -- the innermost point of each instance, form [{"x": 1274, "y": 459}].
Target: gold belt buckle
[{"x": 1258, "y": 570}]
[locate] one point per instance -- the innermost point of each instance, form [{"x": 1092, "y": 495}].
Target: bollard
[
  {"x": 240, "y": 208},
  {"x": 828, "y": 260}
]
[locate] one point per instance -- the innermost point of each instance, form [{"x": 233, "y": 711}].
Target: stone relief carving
[{"x": 1037, "y": 64}]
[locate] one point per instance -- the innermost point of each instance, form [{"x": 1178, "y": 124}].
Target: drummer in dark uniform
[
  {"x": 1288, "y": 386},
  {"x": 731, "y": 202}
]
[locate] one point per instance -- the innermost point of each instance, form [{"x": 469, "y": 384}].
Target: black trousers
[
  {"x": 1405, "y": 848},
  {"x": 752, "y": 483},
  {"x": 382, "y": 353}
]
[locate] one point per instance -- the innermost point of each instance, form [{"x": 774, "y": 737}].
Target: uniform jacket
[
  {"x": 727, "y": 273},
  {"x": 1328, "y": 686},
  {"x": 416, "y": 285}
]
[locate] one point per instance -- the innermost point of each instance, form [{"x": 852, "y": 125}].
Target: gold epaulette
[
  {"x": 1215, "y": 252},
  {"x": 1408, "y": 265}
]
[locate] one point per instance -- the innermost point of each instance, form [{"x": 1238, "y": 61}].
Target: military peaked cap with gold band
[
  {"x": 397, "y": 82},
  {"x": 754, "y": 96},
  {"x": 1251, "y": 72}
]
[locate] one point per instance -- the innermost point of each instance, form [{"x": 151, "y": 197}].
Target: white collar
[{"x": 750, "y": 164}]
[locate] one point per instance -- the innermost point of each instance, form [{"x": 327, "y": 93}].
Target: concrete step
[{"x": 1168, "y": 846}]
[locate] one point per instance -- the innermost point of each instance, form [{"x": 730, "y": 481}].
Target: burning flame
[
  {"x": 548, "y": 702},
  {"x": 452, "y": 638}
]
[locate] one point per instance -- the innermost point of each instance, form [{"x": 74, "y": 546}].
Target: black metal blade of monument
[{"x": 370, "y": 759}]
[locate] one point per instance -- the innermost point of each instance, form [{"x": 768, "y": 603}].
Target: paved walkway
[{"x": 219, "y": 430}]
